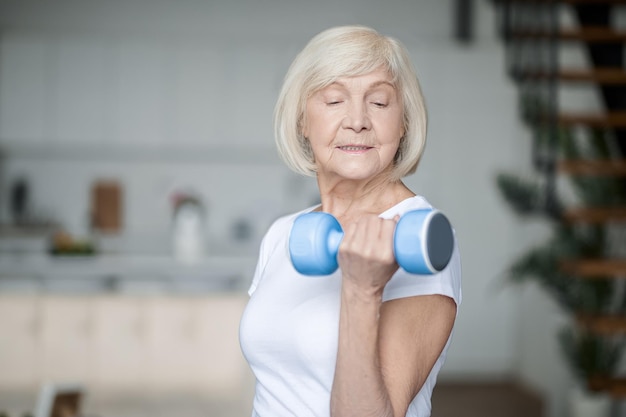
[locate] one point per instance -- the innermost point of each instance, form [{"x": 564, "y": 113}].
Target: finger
[{"x": 388, "y": 228}]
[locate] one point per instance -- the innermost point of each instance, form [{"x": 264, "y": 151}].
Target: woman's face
[{"x": 354, "y": 126}]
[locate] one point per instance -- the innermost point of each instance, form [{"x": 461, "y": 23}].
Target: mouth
[{"x": 354, "y": 148}]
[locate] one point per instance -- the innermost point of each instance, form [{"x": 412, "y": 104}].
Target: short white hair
[{"x": 348, "y": 51}]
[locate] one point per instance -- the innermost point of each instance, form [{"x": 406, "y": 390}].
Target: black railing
[{"x": 530, "y": 31}]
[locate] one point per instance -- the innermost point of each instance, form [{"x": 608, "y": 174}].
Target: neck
[{"x": 346, "y": 199}]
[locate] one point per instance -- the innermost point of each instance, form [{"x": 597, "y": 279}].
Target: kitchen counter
[{"x": 27, "y": 272}]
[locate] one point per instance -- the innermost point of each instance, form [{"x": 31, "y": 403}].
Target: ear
[{"x": 304, "y": 128}]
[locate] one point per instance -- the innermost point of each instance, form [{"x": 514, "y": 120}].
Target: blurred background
[{"x": 138, "y": 174}]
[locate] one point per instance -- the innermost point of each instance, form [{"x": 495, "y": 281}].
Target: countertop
[{"x": 123, "y": 273}]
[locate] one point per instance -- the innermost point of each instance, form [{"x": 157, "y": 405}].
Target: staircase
[{"x": 535, "y": 33}]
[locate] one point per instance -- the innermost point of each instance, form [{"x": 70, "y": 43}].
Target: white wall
[{"x": 162, "y": 94}]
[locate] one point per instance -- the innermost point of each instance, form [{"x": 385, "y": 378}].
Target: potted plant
[{"x": 591, "y": 356}]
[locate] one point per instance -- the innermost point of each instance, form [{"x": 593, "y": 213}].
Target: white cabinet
[
  {"x": 124, "y": 344},
  {"x": 20, "y": 343},
  {"x": 67, "y": 328},
  {"x": 195, "y": 344},
  {"x": 175, "y": 350},
  {"x": 121, "y": 343},
  {"x": 218, "y": 339}
]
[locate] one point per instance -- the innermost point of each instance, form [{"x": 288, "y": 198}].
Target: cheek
[
  {"x": 399, "y": 123},
  {"x": 320, "y": 129},
  {"x": 392, "y": 129},
  {"x": 311, "y": 123}
]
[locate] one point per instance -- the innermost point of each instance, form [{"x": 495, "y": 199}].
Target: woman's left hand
[{"x": 366, "y": 255}]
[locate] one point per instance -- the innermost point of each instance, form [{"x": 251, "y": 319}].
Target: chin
[{"x": 361, "y": 176}]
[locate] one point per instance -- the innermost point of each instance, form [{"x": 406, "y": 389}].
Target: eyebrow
[{"x": 371, "y": 86}]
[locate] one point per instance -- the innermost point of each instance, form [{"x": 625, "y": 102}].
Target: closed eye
[{"x": 379, "y": 104}]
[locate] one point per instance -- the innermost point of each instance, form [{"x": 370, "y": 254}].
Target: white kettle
[{"x": 188, "y": 229}]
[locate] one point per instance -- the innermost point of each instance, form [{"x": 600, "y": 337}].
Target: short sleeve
[
  {"x": 277, "y": 233},
  {"x": 260, "y": 265},
  {"x": 404, "y": 284},
  {"x": 447, "y": 282}
]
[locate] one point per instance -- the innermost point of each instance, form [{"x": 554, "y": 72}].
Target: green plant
[{"x": 588, "y": 355}]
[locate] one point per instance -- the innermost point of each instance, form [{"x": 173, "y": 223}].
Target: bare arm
[
  {"x": 386, "y": 350},
  {"x": 412, "y": 333}
]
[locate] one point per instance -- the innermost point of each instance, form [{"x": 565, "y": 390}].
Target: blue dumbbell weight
[{"x": 423, "y": 242}]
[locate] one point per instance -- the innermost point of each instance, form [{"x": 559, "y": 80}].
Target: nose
[{"x": 356, "y": 117}]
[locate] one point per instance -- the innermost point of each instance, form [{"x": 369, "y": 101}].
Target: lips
[{"x": 354, "y": 148}]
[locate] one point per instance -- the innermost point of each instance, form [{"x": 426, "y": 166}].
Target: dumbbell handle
[
  {"x": 334, "y": 240},
  {"x": 423, "y": 242}
]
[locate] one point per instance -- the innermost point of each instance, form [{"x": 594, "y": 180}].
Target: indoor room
[{"x": 139, "y": 175}]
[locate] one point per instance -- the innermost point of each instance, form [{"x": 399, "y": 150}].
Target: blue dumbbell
[{"x": 423, "y": 242}]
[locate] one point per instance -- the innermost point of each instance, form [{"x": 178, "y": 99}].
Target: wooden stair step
[
  {"x": 596, "y": 75},
  {"x": 595, "y": 268},
  {"x": 604, "y": 76},
  {"x": 603, "y": 324},
  {"x": 601, "y": 34},
  {"x": 615, "y": 386},
  {"x": 595, "y": 214},
  {"x": 574, "y": 2},
  {"x": 589, "y": 1},
  {"x": 603, "y": 167},
  {"x": 615, "y": 119}
]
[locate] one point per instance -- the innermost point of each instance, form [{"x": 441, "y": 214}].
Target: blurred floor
[
  {"x": 449, "y": 400},
  {"x": 484, "y": 399},
  {"x": 22, "y": 404}
]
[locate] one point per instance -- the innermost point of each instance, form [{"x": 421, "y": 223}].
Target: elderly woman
[{"x": 370, "y": 339}]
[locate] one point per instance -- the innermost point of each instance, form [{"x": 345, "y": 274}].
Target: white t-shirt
[{"x": 289, "y": 329}]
